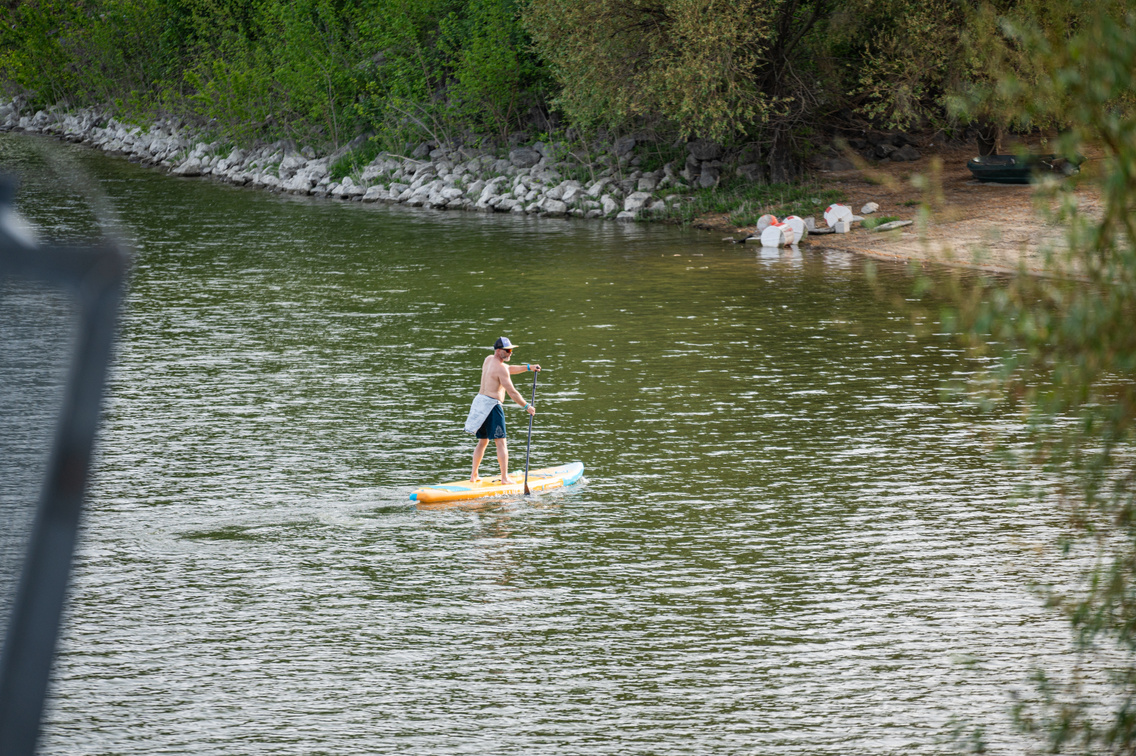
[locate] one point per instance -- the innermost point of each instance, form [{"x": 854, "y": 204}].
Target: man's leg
[
  {"x": 503, "y": 460},
  {"x": 478, "y": 453}
]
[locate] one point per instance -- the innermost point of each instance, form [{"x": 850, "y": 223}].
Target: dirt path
[{"x": 996, "y": 227}]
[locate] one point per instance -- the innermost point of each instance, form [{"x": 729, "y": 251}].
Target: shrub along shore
[{"x": 608, "y": 180}]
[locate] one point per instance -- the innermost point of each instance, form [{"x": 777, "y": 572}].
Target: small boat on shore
[{"x": 1015, "y": 169}]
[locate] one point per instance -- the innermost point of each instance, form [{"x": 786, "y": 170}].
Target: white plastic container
[
  {"x": 800, "y": 230},
  {"x": 834, "y": 213},
  {"x": 777, "y": 235}
]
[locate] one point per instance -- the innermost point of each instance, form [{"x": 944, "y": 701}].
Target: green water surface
[{"x": 788, "y": 541}]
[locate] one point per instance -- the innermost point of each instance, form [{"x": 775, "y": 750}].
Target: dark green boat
[{"x": 1014, "y": 169}]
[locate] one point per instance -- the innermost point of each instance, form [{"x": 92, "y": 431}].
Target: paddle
[{"x": 528, "y": 447}]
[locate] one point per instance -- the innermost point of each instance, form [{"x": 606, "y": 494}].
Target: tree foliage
[
  {"x": 902, "y": 58},
  {"x": 718, "y": 70},
  {"x": 623, "y": 59},
  {"x": 324, "y": 70},
  {"x": 766, "y": 71},
  {"x": 52, "y": 48},
  {"x": 1068, "y": 347}
]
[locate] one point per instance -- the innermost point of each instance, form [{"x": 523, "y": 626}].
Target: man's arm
[
  {"x": 511, "y": 390},
  {"x": 526, "y": 368}
]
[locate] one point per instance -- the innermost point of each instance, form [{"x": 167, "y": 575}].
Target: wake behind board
[{"x": 539, "y": 480}]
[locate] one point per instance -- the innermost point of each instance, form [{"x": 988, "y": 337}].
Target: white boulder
[
  {"x": 554, "y": 207},
  {"x": 572, "y": 191},
  {"x": 597, "y": 188},
  {"x": 289, "y": 166},
  {"x": 636, "y": 201},
  {"x": 375, "y": 193},
  {"x": 191, "y": 167}
]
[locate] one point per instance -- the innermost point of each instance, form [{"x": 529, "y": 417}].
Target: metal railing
[{"x": 94, "y": 277}]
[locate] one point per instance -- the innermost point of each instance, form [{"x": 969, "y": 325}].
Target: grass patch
[
  {"x": 745, "y": 202},
  {"x": 870, "y": 223},
  {"x": 581, "y": 172},
  {"x": 355, "y": 160}
]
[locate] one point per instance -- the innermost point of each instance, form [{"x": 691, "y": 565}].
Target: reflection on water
[{"x": 788, "y": 541}]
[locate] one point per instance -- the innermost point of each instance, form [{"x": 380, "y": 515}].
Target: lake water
[{"x": 789, "y": 540}]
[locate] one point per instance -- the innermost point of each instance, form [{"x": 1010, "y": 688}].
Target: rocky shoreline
[
  {"x": 998, "y": 220},
  {"x": 532, "y": 179}
]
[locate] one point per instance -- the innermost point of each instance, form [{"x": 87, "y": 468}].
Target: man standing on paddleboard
[{"x": 486, "y": 417}]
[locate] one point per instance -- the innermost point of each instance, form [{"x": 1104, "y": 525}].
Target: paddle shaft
[{"x": 528, "y": 446}]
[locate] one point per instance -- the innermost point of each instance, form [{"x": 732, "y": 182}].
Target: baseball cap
[{"x": 503, "y": 343}]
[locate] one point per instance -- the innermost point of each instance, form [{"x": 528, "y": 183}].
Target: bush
[
  {"x": 353, "y": 161},
  {"x": 745, "y": 201},
  {"x": 1066, "y": 348}
]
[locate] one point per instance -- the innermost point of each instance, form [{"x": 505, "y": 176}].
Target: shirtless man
[{"x": 496, "y": 381}]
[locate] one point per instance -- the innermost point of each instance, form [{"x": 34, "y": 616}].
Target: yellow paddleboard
[{"x": 539, "y": 480}]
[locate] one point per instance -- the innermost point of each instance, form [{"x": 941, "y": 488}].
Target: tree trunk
[
  {"x": 780, "y": 160},
  {"x": 989, "y": 138}
]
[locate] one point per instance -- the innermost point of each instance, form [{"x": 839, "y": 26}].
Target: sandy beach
[{"x": 958, "y": 220}]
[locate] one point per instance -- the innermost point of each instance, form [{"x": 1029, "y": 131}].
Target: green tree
[
  {"x": 898, "y": 59},
  {"x": 34, "y": 58},
  {"x": 768, "y": 71},
  {"x": 714, "y": 70},
  {"x": 496, "y": 76},
  {"x": 314, "y": 74}
]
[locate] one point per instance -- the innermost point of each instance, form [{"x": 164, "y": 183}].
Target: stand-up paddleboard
[{"x": 539, "y": 480}]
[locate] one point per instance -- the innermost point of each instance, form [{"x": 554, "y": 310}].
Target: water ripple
[{"x": 788, "y": 542}]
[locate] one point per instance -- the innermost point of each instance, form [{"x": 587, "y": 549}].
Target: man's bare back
[{"x": 496, "y": 381}]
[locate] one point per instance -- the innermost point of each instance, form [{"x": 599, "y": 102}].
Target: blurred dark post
[{"x": 94, "y": 277}]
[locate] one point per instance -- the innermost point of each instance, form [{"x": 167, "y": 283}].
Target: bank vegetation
[{"x": 777, "y": 79}]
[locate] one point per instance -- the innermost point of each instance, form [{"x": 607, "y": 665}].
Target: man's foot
[
  {"x": 506, "y": 481},
  {"x": 475, "y": 479}
]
